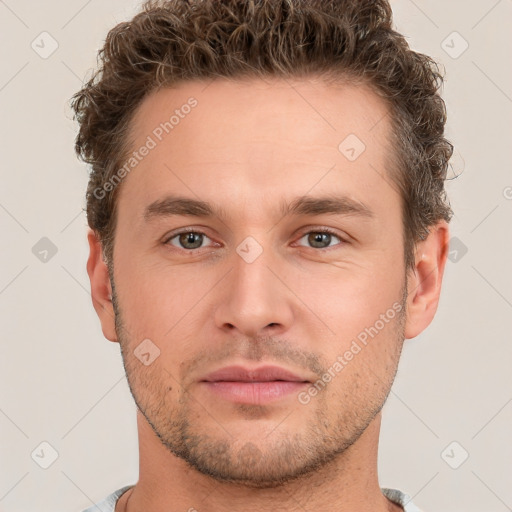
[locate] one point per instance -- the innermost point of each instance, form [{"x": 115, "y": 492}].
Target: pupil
[
  {"x": 317, "y": 238},
  {"x": 191, "y": 238}
]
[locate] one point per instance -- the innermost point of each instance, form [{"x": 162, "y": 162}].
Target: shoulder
[
  {"x": 109, "y": 503},
  {"x": 400, "y": 498}
]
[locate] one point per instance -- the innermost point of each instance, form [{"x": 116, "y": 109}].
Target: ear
[
  {"x": 101, "y": 289},
  {"x": 424, "y": 282}
]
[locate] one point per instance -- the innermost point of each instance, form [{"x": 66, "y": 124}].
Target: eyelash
[{"x": 198, "y": 232}]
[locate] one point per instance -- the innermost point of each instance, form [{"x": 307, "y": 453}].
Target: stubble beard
[{"x": 270, "y": 461}]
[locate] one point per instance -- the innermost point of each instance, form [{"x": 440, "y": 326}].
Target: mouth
[{"x": 253, "y": 386}]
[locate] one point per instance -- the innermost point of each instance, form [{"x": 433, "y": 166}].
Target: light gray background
[{"x": 63, "y": 383}]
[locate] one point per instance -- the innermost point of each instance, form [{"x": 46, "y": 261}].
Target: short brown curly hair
[{"x": 182, "y": 40}]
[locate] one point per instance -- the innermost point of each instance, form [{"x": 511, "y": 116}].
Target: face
[{"x": 263, "y": 265}]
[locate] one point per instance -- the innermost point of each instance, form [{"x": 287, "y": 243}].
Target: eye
[
  {"x": 321, "y": 238},
  {"x": 187, "y": 240},
  {"x": 191, "y": 240}
]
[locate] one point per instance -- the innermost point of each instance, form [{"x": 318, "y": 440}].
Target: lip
[
  {"x": 253, "y": 386},
  {"x": 261, "y": 374}
]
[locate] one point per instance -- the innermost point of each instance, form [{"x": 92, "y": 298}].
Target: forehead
[
  {"x": 255, "y": 138},
  {"x": 316, "y": 110}
]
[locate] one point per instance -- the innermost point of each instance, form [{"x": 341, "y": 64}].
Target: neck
[{"x": 167, "y": 483}]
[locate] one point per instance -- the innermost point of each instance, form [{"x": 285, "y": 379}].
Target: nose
[{"x": 255, "y": 300}]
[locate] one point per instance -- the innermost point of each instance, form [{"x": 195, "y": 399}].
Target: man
[{"x": 268, "y": 224}]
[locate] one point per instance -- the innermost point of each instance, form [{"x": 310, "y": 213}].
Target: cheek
[
  {"x": 156, "y": 300},
  {"x": 363, "y": 365},
  {"x": 351, "y": 298},
  {"x": 363, "y": 310}
]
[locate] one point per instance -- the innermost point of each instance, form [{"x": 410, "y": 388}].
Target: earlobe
[
  {"x": 101, "y": 290},
  {"x": 424, "y": 284}
]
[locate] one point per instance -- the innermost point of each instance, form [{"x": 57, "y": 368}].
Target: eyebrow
[
  {"x": 178, "y": 205},
  {"x": 302, "y": 205},
  {"x": 330, "y": 204}
]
